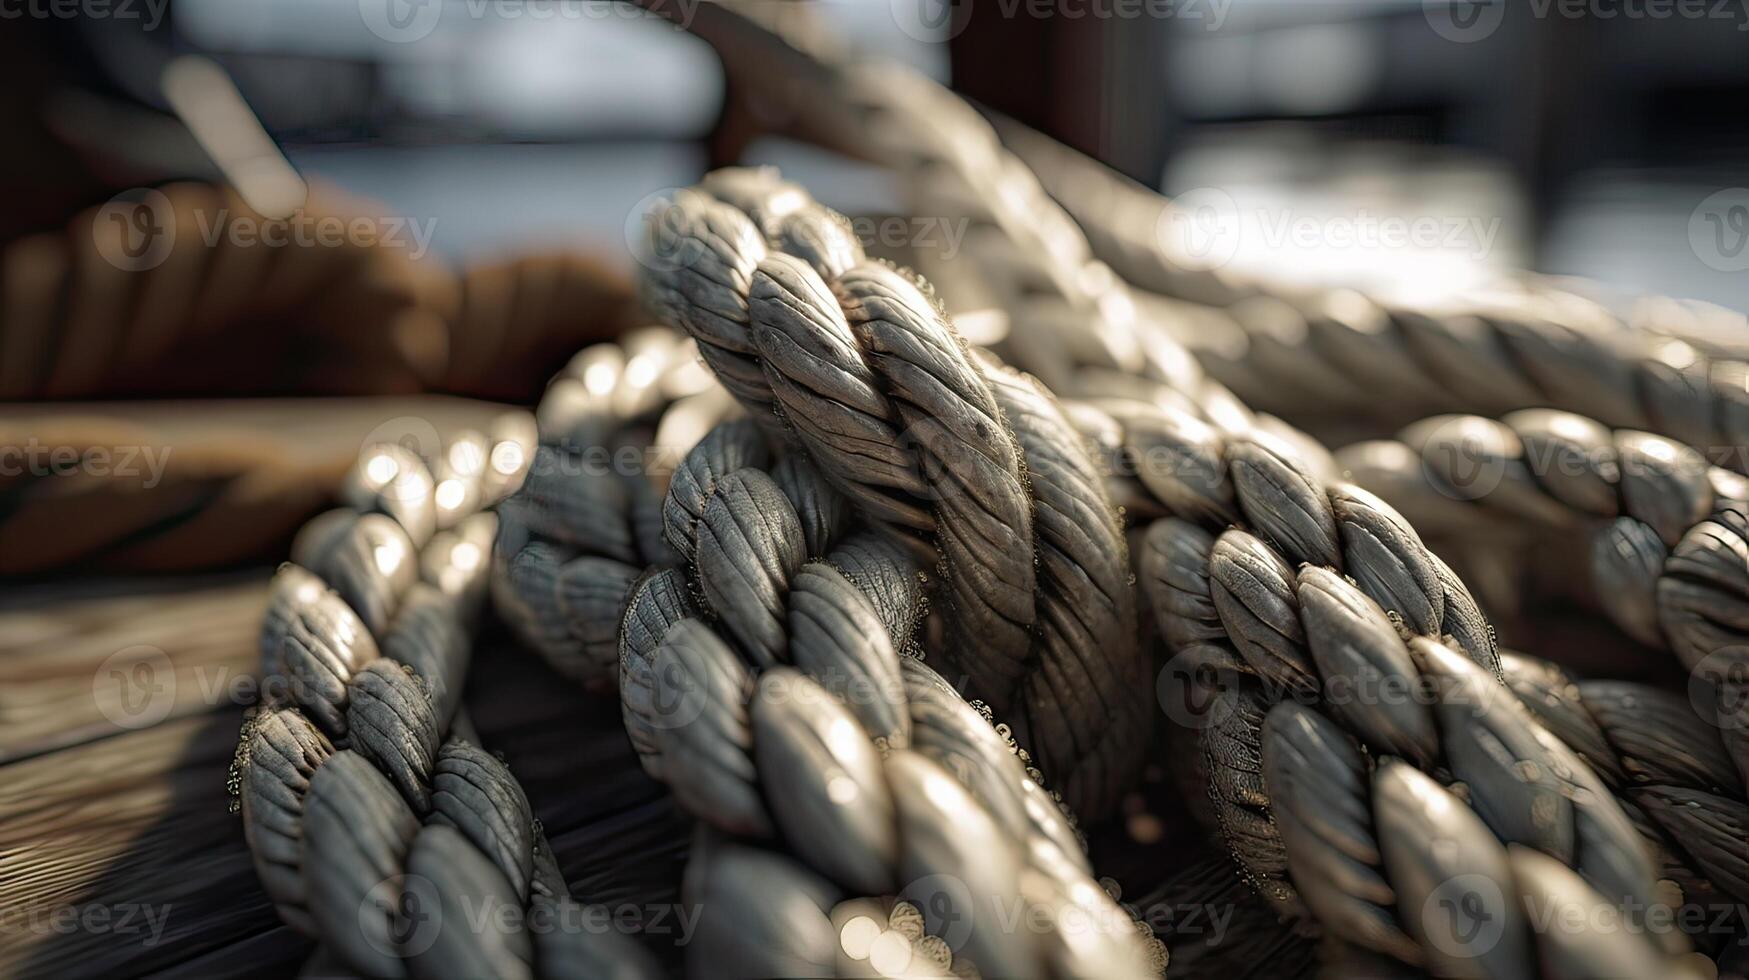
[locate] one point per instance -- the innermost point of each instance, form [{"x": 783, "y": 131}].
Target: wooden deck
[{"x": 118, "y": 856}]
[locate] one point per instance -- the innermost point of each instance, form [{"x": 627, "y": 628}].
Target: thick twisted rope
[
  {"x": 1662, "y": 368},
  {"x": 377, "y": 825},
  {"x": 191, "y": 292},
  {"x": 742, "y": 526},
  {"x": 1272, "y": 612},
  {"x": 1382, "y": 856},
  {"x": 1662, "y": 757},
  {"x": 587, "y": 520},
  {"x": 1667, "y": 533},
  {"x": 870, "y": 379},
  {"x": 863, "y": 760}
]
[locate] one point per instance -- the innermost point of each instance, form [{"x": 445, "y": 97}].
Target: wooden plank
[{"x": 118, "y": 855}]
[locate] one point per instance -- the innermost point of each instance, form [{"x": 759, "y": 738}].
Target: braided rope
[
  {"x": 1667, "y": 533},
  {"x": 854, "y": 717},
  {"x": 1669, "y": 367},
  {"x": 924, "y": 438},
  {"x": 1266, "y": 615},
  {"x": 376, "y": 823},
  {"x": 1380, "y": 854},
  {"x": 223, "y": 299},
  {"x": 1661, "y": 757}
]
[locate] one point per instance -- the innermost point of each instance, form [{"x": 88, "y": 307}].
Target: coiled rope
[
  {"x": 1664, "y": 759},
  {"x": 1668, "y": 367},
  {"x": 189, "y": 292},
  {"x": 769, "y": 675},
  {"x": 1666, "y": 534},
  {"x": 854, "y": 361},
  {"x": 377, "y": 824},
  {"x": 1331, "y": 599}
]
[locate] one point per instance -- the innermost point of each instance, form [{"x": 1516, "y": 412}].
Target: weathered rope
[
  {"x": 378, "y": 826},
  {"x": 587, "y": 520},
  {"x": 192, "y": 293},
  {"x": 1290, "y": 613},
  {"x": 1663, "y": 368},
  {"x": 1667, "y": 534},
  {"x": 1377, "y": 852},
  {"x": 1663, "y": 758},
  {"x": 855, "y": 362},
  {"x": 774, "y": 573},
  {"x": 93, "y": 490}
]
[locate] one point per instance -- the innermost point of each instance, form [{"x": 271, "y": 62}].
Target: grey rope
[
  {"x": 1378, "y": 852},
  {"x": 1662, "y": 758},
  {"x": 868, "y": 375},
  {"x": 1663, "y": 368},
  {"x": 1272, "y": 613},
  {"x": 1667, "y": 534},
  {"x": 774, "y": 574},
  {"x": 860, "y": 758},
  {"x": 376, "y": 823},
  {"x": 588, "y": 517}
]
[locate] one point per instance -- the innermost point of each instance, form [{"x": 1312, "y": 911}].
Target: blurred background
[{"x": 1592, "y": 138}]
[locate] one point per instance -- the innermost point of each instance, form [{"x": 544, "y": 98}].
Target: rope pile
[
  {"x": 378, "y": 825},
  {"x": 854, "y": 361},
  {"x": 869, "y": 766},
  {"x": 796, "y": 565}
]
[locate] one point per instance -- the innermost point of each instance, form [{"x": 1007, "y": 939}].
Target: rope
[
  {"x": 770, "y": 678},
  {"x": 376, "y": 823},
  {"x": 192, "y": 293},
  {"x": 1667, "y": 533},
  {"x": 1325, "y": 596},
  {"x": 1662, "y": 758},
  {"x": 854, "y": 361},
  {"x": 1377, "y": 851},
  {"x": 1668, "y": 367}
]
